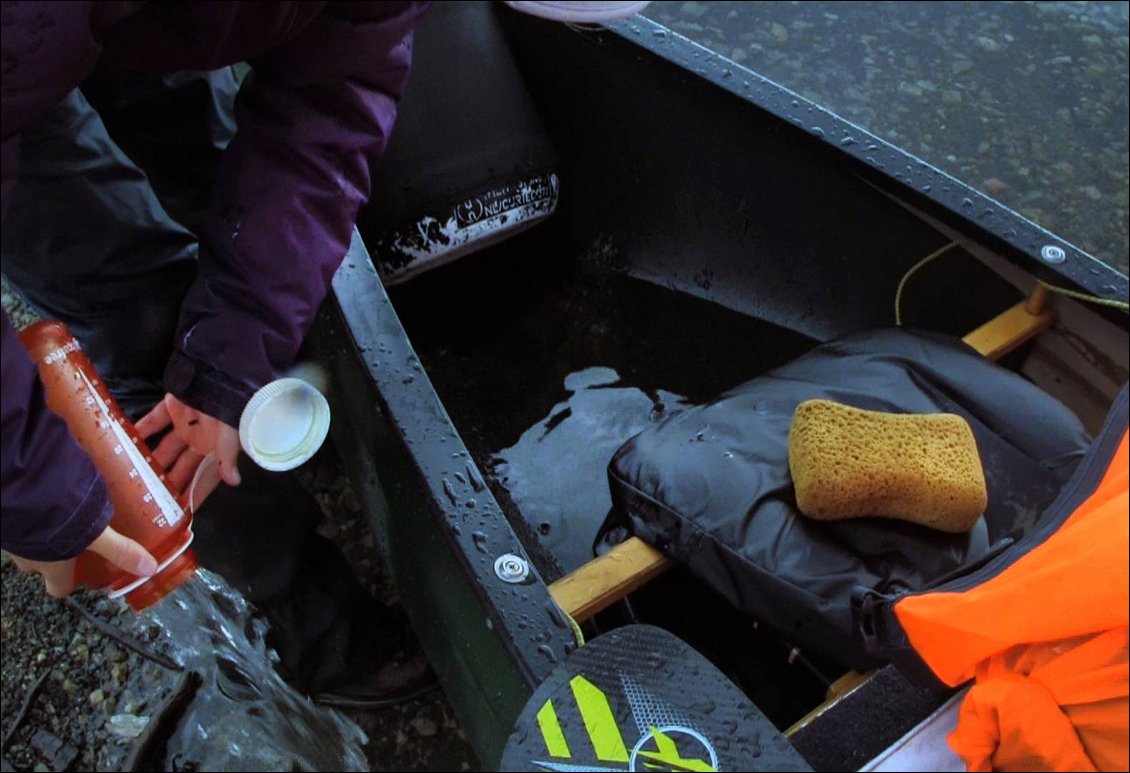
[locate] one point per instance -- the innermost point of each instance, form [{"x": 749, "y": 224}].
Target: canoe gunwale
[{"x": 432, "y": 515}]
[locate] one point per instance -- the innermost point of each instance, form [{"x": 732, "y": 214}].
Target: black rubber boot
[{"x": 332, "y": 636}]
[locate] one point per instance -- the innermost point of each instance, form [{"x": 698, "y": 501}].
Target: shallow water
[
  {"x": 244, "y": 716},
  {"x": 1025, "y": 101}
]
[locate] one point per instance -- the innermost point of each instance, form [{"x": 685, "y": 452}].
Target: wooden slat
[
  {"x": 1018, "y": 325},
  {"x": 608, "y": 578},
  {"x": 846, "y": 683},
  {"x": 838, "y": 690}
]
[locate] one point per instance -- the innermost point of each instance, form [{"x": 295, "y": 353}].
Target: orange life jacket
[{"x": 1041, "y": 630}]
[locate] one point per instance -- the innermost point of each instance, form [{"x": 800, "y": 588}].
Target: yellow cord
[
  {"x": 578, "y": 26},
  {"x": 577, "y": 633},
  {"x": 1113, "y": 303},
  {"x": 1122, "y": 305},
  {"x": 910, "y": 273}
]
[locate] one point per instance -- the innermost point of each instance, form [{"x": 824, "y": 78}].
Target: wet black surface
[
  {"x": 555, "y": 472},
  {"x": 547, "y": 364}
]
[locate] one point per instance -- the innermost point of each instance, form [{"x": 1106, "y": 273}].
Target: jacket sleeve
[
  {"x": 312, "y": 118},
  {"x": 54, "y": 501}
]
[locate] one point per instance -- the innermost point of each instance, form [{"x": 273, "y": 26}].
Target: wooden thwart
[
  {"x": 1015, "y": 327},
  {"x": 607, "y": 579},
  {"x": 838, "y": 690}
]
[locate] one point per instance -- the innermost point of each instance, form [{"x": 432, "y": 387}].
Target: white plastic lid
[{"x": 284, "y": 424}]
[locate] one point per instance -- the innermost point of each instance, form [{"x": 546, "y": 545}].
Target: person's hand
[
  {"x": 118, "y": 549},
  {"x": 194, "y": 435}
]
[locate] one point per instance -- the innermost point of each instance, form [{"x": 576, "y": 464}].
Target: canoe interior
[
  {"x": 547, "y": 361},
  {"x": 702, "y": 237}
]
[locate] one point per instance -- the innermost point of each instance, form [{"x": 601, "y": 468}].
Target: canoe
[{"x": 579, "y": 231}]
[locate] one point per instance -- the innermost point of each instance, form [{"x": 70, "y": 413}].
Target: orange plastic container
[{"x": 144, "y": 507}]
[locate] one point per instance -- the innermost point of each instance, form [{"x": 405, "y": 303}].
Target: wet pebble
[{"x": 424, "y": 726}]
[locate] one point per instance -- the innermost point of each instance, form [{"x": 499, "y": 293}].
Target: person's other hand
[
  {"x": 118, "y": 549},
  {"x": 194, "y": 435}
]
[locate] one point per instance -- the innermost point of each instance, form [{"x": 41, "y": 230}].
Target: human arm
[
  {"x": 118, "y": 549},
  {"x": 55, "y": 503},
  {"x": 314, "y": 115}
]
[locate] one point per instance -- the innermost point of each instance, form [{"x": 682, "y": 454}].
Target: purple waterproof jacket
[{"x": 316, "y": 116}]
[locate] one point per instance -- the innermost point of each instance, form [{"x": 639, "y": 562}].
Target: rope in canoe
[
  {"x": 1111, "y": 302},
  {"x": 905, "y": 277}
]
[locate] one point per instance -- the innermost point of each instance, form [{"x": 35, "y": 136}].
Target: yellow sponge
[{"x": 847, "y": 462}]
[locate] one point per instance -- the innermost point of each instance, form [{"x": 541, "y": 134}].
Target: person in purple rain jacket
[{"x": 186, "y": 327}]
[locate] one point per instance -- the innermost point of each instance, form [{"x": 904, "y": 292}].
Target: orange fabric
[
  {"x": 1046, "y": 642},
  {"x": 1060, "y": 706},
  {"x": 1076, "y": 583}
]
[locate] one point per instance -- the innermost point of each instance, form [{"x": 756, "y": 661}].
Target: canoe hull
[{"x": 758, "y": 231}]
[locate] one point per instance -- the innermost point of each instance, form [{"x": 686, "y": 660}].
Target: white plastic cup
[
  {"x": 204, "y": 482},
  {"x": 284, "y": 424}
]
